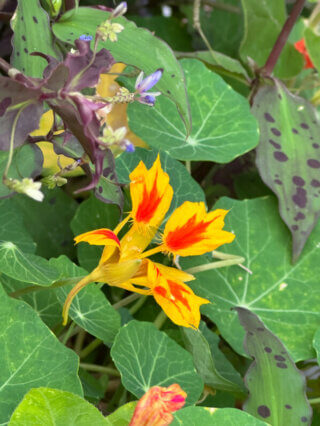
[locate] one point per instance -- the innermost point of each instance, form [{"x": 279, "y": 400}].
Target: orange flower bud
[
  {"x": 301, "y": 47},
  {"x": 156, "y": 406}
]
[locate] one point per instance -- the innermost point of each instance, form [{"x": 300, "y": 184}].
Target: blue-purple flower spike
[
  {"x": 85, "y": 37},
  {"x": 130, "y": 147},
  {"x": 146, "y": 84}
]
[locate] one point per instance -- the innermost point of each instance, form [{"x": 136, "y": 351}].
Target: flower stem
[
  {"x": 90, "y": 348},
  {"x": 100, "y": 369},
  {"x": 160, "y": 320},
  {"x": 126, "y": 301},
  {"x": 314, "y": 401},
  {"x": 140, "y": 302},
  {"x": 282, "y": 38},
  {"x": 79, "y": 341},
  {"x": 68, "y": 333},
  {"x": 215, "y": 265},
  {"x": 81, "y": 284}
]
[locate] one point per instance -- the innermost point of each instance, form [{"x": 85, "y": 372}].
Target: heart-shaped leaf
[
  {"x": 222, "y": 126},
  {"x": 147, "y": 357}
]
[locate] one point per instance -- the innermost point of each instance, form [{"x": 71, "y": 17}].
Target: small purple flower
[
  {"x": 147, "y": 99},
  {"x": 142, "y": 85},
  {"x": 85, "y": 37},
  {"x": 129, "y": 147}
]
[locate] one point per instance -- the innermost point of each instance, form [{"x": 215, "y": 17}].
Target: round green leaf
[
  {"x": 285, "y": 297},
  {"x": 198, "y": 416},
  {"x": 90, "y": 309},
  {"x": 147, "y": 357},
  {"x": 31, "y": 357},
  {"x": 53, "y": 407},
  {"x": 222, "y": 125}
]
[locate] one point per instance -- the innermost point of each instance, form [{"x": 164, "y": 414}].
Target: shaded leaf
[
  {"x": 195, "y": 416},
  {"x": 185, "y": 188},
  {"x": 316, "y": 344},
  {"x": 288, "y": 158},
  {"x": 49, "y": 222},
  {"x": 33, "y": 356},
  {"x": 218, "y": 61},
  {"x": 147, "y": 357},
  {"x": 222, "y": 125},
  {"x": 312, "y": 40},
  {"x": 46, "y": 406},
  {"x": 90, "y": 309},
  {"x": 92, "y": 214},
  {"x": 27, "y": 162},
  {"x": 135, "y": 46},
  {"x": 29, "y": 21},
  {"x": 199, "y": 348},
  {"x": 285, "y": 297},
  {"x": 263, "y": 23},
  {"x": 12, "y": 228},
  {"x": 43, "y": 301},
  {"x": 26, "y": 267},
  {"x": 267, "y": 379}
]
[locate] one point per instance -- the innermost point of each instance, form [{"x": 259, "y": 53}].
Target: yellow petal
[
  {"x": 191, "y": 231},
  {"x": 99, "y": 237},
  {"x": 176, "y": 299},
  {"x": 45, "y": 125},
  {"x": 151, "y": 195}
]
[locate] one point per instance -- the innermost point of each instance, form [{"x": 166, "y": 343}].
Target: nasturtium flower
[
  {"x": 124, "y": 263},
  {"x": 301, "y": 47},
  {"x": 156, "y": 406}
]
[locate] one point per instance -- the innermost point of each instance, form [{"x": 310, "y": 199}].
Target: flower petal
[
  {"x": 176, "y": 299},
  {"x": 99, "y": 237},
  {"x": 191, "y": 231},
  {"x": 156, "y": 406},
  {"x": 151, "y": 196}
]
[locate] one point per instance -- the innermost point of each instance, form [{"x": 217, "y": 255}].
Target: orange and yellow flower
[
  {"x": 124, "y": 263},
  {"x": 156, "y": 406}
]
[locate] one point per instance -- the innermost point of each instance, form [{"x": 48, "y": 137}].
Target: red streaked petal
[{"x": 101, "y": 237}]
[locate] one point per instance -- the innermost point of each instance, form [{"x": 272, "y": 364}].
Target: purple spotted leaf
[
  {"x": 277, "y": 389},
  {"x": 288, "y": 158},
  {"x": 26, "y": 117}
]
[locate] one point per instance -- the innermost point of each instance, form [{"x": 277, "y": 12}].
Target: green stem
[
  {"x": 68, "y": 333},
  {"x": 160, "y": 320},
  {"x": 79, "y": 341},
  {"x": 140, "y": 302},
  {"x": 100, "y": 369},
  {"x": 314, "y": 401},
  {"x": 33, "y": 288},
  {"x": 215, "y": 265},
  {"x": 90, "y": 348},
  {"x": 188, "y": 166},
  {"x": 126, "y": 301}
]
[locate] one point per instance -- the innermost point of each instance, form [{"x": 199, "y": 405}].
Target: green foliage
[
  {"x": 195, "y": 416},
  {"x": 289, "y": 405},
  {"x": 204, "y": 362},
  {"x": 49, "y": 222},
  {"x": 312, "y": 40},
  {"x": 263, "y": 23},
  {"x": 147, "y": 357},
  {"x": 222, "y": 125},
  {"x": 33, "y": 356},
  {"x": 27, "y": 161},
  {"x": 28, "y": 24},
  {"x": 45, "y": 406},
  {"x": 285, "y": 297},
  {"x": 90, "y": 309},
  {"x": 288, "y": 158},
  {"x": 135, "y": 46}
]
